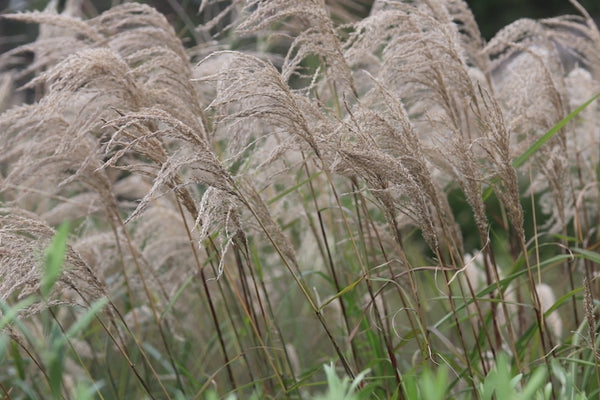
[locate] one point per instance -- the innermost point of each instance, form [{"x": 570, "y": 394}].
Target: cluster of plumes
[
  {"x": 118, "y": 126},
  {"x": 409, "y": 102},
  {"x": 465, "y": 111},
  {"x": 149, "y": 153},
  {"x": 543, "y": 70}
]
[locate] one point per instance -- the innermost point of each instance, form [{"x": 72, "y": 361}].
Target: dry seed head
[
  {"x": 252, "y": 89},
  {"x": 316, "y": 37},
  {"x": 23, "y": 239}
]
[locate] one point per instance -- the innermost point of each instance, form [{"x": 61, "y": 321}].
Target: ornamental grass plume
[{"x": 23, "y": 239}]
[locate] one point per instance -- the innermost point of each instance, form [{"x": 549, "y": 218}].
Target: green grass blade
[
  {"x": 55, "y": 361},
  {"x": 345, "y": 290},
  {"x": 86, "y": 319},
  {"x": 176, "y": 296},
  {"x": 55, "y": 256},
  {"x": 587, "y": 255},
  {"x": 293, "y": 188},
  {"x": 10, "y": 313},
  {"x": 519, "y": 161}
]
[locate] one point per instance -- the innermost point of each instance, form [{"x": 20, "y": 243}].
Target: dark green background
[{"x": 491, "y": 15}]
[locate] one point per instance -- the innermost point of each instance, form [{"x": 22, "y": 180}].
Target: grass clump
[{"x": 284, "y": 185}]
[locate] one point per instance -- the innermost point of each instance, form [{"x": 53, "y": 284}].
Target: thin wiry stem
[
  {"x": 211, "y": 306},
  {"x": 332, "y": 267},
  {"x": 302, "y": 286}
]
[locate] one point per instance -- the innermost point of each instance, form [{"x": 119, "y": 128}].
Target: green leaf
[
  {"x": 345, "y": 290},
  {"x": 17, "y": 360},
  {"x": 411, "y": 390},
  {"x": 293, "y": 188},
  {"x": 519, "y": 161},
  {"x": 86, "y": 318},
  {"x": 341, "y": 388},
  {"x": 10, "y": 313},
  {"x": 179, "y": 292},
  {"x": 535, "y": 384},
  {"x": 55, "y": 256},
  {"x": 434, "y": 383},
  {"x": 588, "y": 255},
  {"x": 55, "y": 361}
]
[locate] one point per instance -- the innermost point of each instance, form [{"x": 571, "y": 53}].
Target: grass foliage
[{"x": 283, "y": 199}]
